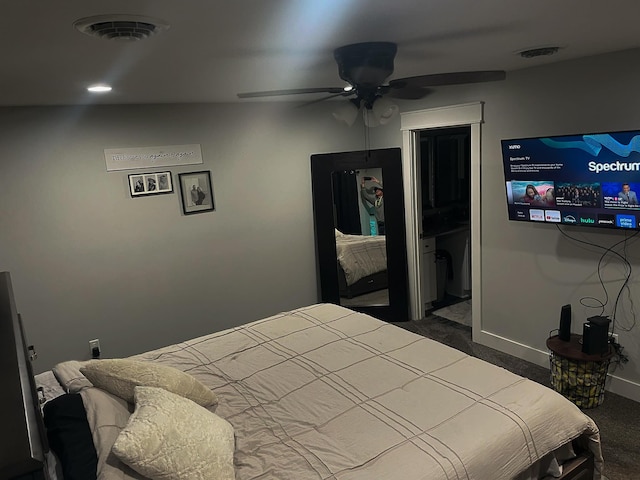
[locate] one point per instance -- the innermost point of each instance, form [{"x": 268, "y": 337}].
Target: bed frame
[
  {"x": 23, "y": 442},
  {"x": 579, "y": 468},
  {"x": 370, "y": 283}
]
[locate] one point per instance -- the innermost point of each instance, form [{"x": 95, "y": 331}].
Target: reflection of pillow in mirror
[
  {"x": 339, "y": 233},
  {"x": 120, "y": 376},
  {"x": 169, "y": 437}
]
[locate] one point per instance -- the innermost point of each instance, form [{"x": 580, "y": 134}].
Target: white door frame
[{"x": 411, "y": 123}]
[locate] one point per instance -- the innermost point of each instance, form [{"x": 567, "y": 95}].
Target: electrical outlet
[
  {"x": 613, "y": 338},
  {"x": 94, "y": 348}
]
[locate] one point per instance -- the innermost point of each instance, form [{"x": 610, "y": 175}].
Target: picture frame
[
  {"x": 197, "y": 192},
  {"x": 145, "y": 184}
]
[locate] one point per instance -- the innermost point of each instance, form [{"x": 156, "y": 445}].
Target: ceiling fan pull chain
[{"x": 367, "y": 141}]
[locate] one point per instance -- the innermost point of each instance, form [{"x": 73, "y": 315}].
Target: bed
[
  {"x": 362, "y": 263},
  {"x": 323, "y": 392},
  {"x": 320, "y": 392}
]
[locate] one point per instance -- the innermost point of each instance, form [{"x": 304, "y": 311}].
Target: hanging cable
[{"x": 625, "y": 285}]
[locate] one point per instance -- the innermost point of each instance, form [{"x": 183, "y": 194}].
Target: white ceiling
[{"x": 215, "y": 49}]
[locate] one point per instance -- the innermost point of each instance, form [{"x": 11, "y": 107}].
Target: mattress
[
  {"x": 323, "y": 392},
  {"x": 361, "y": 255}
]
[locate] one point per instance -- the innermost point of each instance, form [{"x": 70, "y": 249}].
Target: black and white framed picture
[
  {"x": 143, "y": 184},
  {"x": 197, "y": 192}
]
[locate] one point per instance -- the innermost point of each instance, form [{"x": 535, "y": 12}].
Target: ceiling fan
[{"x": 366, "y": 66}]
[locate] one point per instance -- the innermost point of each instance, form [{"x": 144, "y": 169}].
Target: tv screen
[{"x": 588, "y": 179}]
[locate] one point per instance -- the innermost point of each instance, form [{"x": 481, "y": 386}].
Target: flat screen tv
[{"x": 590, "y": 179}]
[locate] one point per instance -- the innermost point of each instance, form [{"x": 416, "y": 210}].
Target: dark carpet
[{"x": 618, "y": 418}]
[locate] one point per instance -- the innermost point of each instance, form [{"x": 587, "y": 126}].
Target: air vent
[
  {"x": 538, "y": 52},
  {"x": 120, "y": 27}
]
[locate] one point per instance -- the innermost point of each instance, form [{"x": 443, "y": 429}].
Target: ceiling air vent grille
[
  {"x": 120, "y": 27},
  {"x": 538, "y": 52}
]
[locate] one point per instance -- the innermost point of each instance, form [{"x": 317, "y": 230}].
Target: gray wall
[
  {"x": 545, "y": 269},
  {"x": 530, "y": 270},
  {"x": 88, "y": 261}
]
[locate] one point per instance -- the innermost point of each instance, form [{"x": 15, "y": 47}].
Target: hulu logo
[{"x": 587, "y": 220}]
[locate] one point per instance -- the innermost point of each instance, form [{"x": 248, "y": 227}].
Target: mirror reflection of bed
[
  {"x": 358, "y": 201},
  {"x": 362, "y": 269},
  {"x": 339, "y": 202}
]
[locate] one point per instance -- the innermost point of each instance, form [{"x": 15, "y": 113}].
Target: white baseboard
[{"x": 615, "y": 384}]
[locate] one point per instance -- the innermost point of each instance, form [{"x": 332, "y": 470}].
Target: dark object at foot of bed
[
  {"x": 579, "y": 468},
  {"x": 371, "y": 283}
]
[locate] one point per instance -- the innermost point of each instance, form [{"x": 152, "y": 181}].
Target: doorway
[
  {"x": 444, "y": 157},
  {"x": 412, "y": 123}
]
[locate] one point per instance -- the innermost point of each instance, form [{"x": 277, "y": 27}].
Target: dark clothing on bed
[{"x": 70, "y": 437}]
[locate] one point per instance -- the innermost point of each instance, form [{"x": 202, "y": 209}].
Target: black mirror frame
[{"x": 322, "y": 167}]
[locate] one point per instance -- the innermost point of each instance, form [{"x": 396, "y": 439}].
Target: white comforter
[
  {"x": 326, "y": 393},
  {"x": 361, "y": 255}
]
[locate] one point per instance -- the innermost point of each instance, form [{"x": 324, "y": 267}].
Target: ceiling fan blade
[
  {"x": 453, "y": 78},
  {"x": 409, "y": 92},
  {"x": 327, "y": 97},
  {"x": 294, "y": 91}
]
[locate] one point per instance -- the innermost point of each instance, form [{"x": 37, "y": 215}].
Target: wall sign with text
[{"x": 149, "y": 157}]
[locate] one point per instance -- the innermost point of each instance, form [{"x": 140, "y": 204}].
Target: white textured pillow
[
  {"x": 168, "y": 437},
  {"x": 120, "y": 376}
]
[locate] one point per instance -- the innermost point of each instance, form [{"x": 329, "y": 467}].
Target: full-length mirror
[
  {"x": 358, "y": 202},
  {"x": 360, "y": 233}
]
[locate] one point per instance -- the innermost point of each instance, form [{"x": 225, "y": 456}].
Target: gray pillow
[
  {"x": 120, "y": 377},
  {"x": 169, "y": 437}
]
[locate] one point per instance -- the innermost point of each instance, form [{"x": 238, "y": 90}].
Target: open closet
[{"x": 445, "y": 173}]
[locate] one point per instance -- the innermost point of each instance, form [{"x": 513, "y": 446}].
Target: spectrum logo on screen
[
  {"x": 626, "y": 221},
  {"x": 552, "y": 216}
]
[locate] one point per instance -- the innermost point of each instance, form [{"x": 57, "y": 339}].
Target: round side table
[{"x": 576, "y": 375}]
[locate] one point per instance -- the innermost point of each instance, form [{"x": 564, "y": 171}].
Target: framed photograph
[
  {"x": 197, "y": 192},
  {"x": 143, "y": 184}
]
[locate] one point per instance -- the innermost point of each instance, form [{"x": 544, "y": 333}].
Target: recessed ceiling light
[{"x": 99, "y": 88}]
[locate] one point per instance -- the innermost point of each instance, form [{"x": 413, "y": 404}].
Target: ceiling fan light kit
[
  {"x": 346, "y": 112},
  {"x": 384, "y": 110},
  {"x": 366, "y": 67},
  {"x": 381, "y": 113},
  {"x": 369, "y": 119}
]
